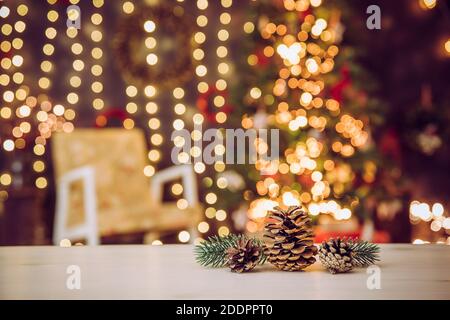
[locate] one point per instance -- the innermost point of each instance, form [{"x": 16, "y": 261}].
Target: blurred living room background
[{"x": 91, "y": 92}]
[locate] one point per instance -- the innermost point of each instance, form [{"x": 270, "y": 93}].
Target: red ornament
[
  {"x": 111, "y": 113},
  {"x": 7, "y": 54},
  {"x": 337, "y": 90},
  {"x": 305, "y": 180},
  {"x": 275, "y": 176},
  {"x": 279, "y": 4},
  {"x": 64, "y": 2},
  {"x": 205, "y": 106},
  {"x": 303, "y": 14},
  {"x": 262, "y": 61},
  {"x": 390, "y": 145}
]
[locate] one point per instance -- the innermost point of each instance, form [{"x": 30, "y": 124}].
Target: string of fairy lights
[
  {"x": 218, "y": 86},
  {"x": 180, "y": 109},
  {"x": 179, "y": 114},
  {"x": 12, "y": 79},
  {"x": 44, "y": 84},
  {"x": 97, "y": 38},
  {"x": 25, "y": 131},
  {"x": 198, "y": 55},
  {"x": 76, "y": 49},
  {"x": 224, "y": 70},
  {"x": 148, "y": 93},
  {"x": 51, "y": 117}
]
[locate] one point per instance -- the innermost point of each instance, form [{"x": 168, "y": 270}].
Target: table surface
[{"x": 170, "y": 272}]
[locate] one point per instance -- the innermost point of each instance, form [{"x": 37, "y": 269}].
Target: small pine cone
[
  {"x": 289, "y": 239},
  {"x": 336, "y": 255},
  {"x": 244, "y": 256}
]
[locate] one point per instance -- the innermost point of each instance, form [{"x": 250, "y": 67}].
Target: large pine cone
[
  {"x": 336, "y": 255},
  {"x": 289, "y": 239},
  {"x": 244, "y": 256}
]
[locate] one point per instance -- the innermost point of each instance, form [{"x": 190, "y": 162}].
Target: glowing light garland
[{"x": 96, "y": 69}]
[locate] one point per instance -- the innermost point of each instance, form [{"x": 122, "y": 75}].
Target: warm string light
[
  {"x": 76, "y": 48},
  {"x": 177, "y": 190},
  {"x": 201, "y": 71},
  {"x": 7, "y": 80},
  {"x": 435, "y": 214},
  {"x": 135, "y": 93},
  {"x": 47, "y": 120},
  {"x": 447, "y": 46},
  {"x": 257, "y": 208},
  {"x": 219, "y": 101},
  {"x": 427, "y": 4},
  {"x": 152, "y": 108},
  {"x": 97, "y": 38},
  {"x": 50, "y": 117},
  {"x": 20, "y": 101},
  {"x": 148, "y": 94},
  {"x": 444, "y": 45},
  {"x": 178, "y": 124},
  {"x": 132, "y": 92},
  {"x": 10, "y": 61},
  {"x": 223, "y": 67},
  {"x": 20, "y": 105},
  {"x": 154, "y": 125}
]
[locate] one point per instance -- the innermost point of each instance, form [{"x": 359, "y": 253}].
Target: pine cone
[
  {"x": 289, "y": 239},
  {"x": 244, "y": 256},
  {"x": 337, "y": 255}
]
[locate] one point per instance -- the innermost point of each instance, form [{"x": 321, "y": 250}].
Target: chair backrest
[{"x": 118, "y": 157}]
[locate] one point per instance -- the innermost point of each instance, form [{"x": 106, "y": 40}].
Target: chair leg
[
  {"x": 194, "y": 234},
  {"x": 88, "y": 230}
]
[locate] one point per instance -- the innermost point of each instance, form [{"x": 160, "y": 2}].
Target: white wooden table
[{"x": 170, "y": 272}]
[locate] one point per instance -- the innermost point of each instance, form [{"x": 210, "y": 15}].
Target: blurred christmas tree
[{"x": 300, "y": 77}]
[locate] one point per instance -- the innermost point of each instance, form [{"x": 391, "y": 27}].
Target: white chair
[
  {"x": 168, "y": 218},
  {"x": 88, "y": 230}
]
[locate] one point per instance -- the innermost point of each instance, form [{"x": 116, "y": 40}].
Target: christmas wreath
[{"x": 174, "y": 32}]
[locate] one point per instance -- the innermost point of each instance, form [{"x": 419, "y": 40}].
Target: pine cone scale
[
  {"x": 336, "y": 255},
  {"x": 244, "y": 256},
  {"x": 289, "y": 241},
  {"x": 299, "y": 250},
  {"x": 288, "y": 246}
]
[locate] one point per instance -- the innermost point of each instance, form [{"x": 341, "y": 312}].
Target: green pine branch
[
  {"x": 365, "y": 253},
  {"x": 213, "y": 252}
]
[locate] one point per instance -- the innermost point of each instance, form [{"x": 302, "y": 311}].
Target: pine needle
[
  {"x": 213, "y": 252},
  {"x": 365, "y": 253}
]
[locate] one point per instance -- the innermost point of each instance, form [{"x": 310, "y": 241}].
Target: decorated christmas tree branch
[{"x": 213, "y": 252}]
